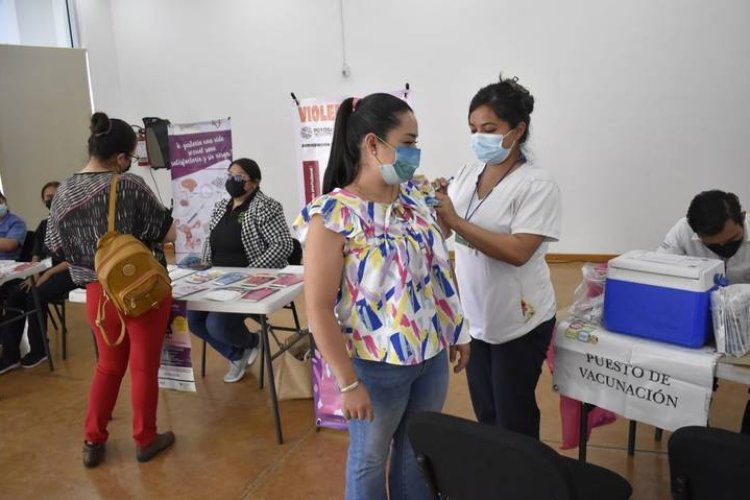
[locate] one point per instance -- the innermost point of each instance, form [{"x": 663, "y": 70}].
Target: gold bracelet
[{"x": 350, "y": 387}]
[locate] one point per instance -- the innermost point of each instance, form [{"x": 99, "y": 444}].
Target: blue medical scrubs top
[{"x": 11, "y": 226}]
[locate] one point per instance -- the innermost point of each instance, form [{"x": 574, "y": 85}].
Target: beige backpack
[{"x": 130, "y": 276}]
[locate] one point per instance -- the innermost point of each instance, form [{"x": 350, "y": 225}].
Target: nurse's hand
[
  {"x": 440, "y": 185},
  {"x": 463, "y": 351},
  {"x": 356, "y": 404},
  {"x": 445, "y": 210}
]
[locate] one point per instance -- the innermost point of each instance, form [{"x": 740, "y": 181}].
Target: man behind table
[{"x": 715, "y": 228}]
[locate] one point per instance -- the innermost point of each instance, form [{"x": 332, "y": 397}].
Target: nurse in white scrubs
[{"x": 503, "y": 211}]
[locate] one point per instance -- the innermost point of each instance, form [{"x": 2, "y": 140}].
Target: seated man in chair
[
  {"x": 52, "y": 285},
  {"x": 716, "y": 227}
]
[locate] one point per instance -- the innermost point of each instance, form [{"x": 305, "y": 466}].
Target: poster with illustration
[
  {"x": 314, "y": 119},
  {"x": 176, "y": 370},
  {"x": 200, "y": 154}
]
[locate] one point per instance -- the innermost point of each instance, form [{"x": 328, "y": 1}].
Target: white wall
[
  {"x": 44, "y": 108},
  {"x": 640, "y": 104},
  {"x": 34, "y": 22}
]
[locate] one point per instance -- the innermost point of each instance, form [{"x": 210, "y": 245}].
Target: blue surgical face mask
[
  {"x": 403, "y": 167},
  {"x": 488, "y": 148},
  {"x": 3, "y": 210}
]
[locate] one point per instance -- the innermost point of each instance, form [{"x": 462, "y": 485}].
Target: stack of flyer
[
  {"x": 234, "y": 285},
  {"x": 261, "y": 286},
  {"x": 194, "y": 283}
]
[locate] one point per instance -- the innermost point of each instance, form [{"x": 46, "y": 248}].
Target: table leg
[
  {"x": 583, "y": 431},
  {"x": 42, "y": 324},
  {"x": 271, "y": 381},
  {"x": 203, "y": 360},
  {"x": 631, "y": 437},
  {"x": 262, "y": 348}
]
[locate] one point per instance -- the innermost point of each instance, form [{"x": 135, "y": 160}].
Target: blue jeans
[
  {"x": 396, "y": 392},
  {"x": 225, "y": 332}
]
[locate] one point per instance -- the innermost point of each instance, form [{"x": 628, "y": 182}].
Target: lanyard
[{"x": 467, "y": 215}]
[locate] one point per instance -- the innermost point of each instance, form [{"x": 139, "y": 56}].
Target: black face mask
[
  {"x": 727, "y": 250},
  {"x": 235, "y": 188},
  {"x": 48, "y": 203}
]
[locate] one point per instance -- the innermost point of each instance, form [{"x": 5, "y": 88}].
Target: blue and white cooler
[{"x": 661, "y": 297}]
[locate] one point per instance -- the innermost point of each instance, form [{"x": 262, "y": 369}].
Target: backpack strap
[
  {"x": 112, "y": 203},
  {"x": 100, "y": 322}
]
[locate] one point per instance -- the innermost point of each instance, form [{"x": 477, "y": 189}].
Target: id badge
[{"x": 461, "y": 241}]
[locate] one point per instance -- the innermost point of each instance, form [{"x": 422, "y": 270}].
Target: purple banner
[
  {"x": 200, "y": 154},
  {"x": 189, "y": 153}
]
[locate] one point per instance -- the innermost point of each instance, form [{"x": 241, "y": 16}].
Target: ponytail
[
  {"x": 375, "y": 114},
  {"x": 342, "y": 166}
]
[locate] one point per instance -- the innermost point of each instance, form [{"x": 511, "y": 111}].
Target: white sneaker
[
  {"x": 237, "y": 368},
  {"x": 253, "y": 356},
  {"x": 6, "y": 367}
]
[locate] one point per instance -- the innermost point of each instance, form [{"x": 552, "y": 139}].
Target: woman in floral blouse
[{"x": 380, "y": 294}]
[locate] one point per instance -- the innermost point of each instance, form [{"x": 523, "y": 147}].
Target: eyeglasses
[
  {"x": 132, "y": 158},
  {"x": 238, "y": 177}
]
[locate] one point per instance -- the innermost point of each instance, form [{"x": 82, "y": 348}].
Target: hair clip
[
  {"x": 355, "y": 102},
  {"x": 109, "y": 129}
]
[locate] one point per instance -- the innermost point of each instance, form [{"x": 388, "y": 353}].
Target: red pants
[{"x": 141, "y": 348}]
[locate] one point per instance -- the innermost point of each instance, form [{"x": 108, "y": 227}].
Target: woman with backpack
[{"x": 78, "y": 219}]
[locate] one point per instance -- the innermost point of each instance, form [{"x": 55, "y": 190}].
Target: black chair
[
  {"x": 709, "y": 464},
  {"x": 27, "y": 249},
  {"x": 294, "y": 259},
  {"x": 27, "y": 252},
  {"x": 56, "y": 314},
  {"x": 464, "y": 460},
  {"x": 58, "y": 306}
]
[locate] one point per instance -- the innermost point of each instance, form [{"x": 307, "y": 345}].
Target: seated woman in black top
[
  {"x": 248, "y": 230},
  {"x": 53, "y": 284}
]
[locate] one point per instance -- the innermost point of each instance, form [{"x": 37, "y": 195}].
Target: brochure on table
[
  {"x": 13, "y": 267},
  {"x": 226, "y": 286}
]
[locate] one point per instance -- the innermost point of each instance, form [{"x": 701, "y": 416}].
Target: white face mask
[
  {"x": 488, "y": 148},
  {"x": 3, "y": 210}
]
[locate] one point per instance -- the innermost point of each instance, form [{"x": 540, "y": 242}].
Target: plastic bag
[
  {"x": 326, "y": 396},
  {"x": 730, "y": 311},
  {"x": 570, "y": 411},
  {"x": 293, "y": 369},
  {"x": 588, "y": 299}
]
